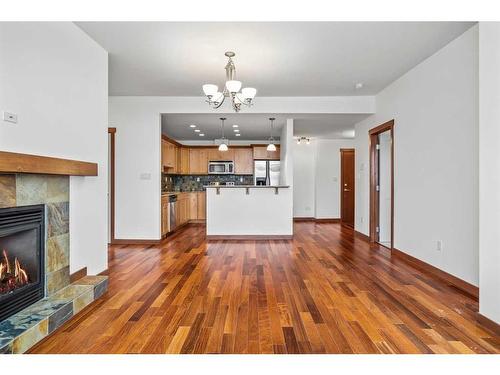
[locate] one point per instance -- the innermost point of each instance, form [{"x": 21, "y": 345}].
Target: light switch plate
[
  {"x": 10, "y": 117},
  {"x": 145, "y": 176}
]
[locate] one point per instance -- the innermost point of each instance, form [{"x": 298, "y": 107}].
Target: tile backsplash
[{"x": 196, "y": 182}]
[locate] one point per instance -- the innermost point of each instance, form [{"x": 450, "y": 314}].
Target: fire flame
[{"x": 11, "y": 277}]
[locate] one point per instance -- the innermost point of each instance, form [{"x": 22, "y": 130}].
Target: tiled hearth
[{"x": 62, "y": 299}]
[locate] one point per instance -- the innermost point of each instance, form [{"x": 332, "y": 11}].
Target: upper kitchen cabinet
[
  {"x": 261, "y": 153},
  {"x": 183, "y": 160},
  {"x": 243, "y": 160},
  {"x": 215, "y": 155},
  {"x": 198, "y": 160},
  {"x": 169, "y": 156}
]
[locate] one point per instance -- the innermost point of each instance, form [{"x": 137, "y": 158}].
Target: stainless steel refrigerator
[{"x": 267, "y": 172}]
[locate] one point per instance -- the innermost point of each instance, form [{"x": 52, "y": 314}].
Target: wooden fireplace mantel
[{"x": 11, "y": 162}]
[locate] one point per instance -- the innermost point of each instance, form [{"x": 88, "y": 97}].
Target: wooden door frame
[
  {"x": 374, "y": 198},
  {"x": 112, "y": 132},
  {"x": 342, "y": 150}
]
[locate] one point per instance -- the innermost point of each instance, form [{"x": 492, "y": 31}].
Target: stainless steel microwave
[{"x": 220, "y": 167}]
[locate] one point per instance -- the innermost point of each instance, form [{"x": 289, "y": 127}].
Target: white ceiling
[
  {"x": 278, "y": 58},
  {"x": 257, "y": 126}
]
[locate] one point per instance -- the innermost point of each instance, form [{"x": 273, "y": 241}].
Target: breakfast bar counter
[{"x": 249, "y": 212}]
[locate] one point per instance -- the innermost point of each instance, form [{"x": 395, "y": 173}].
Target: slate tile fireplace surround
[{"x": 34, "y": 232}]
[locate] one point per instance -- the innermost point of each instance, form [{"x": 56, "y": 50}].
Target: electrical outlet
[
  {"x": 145, "y": 176},
  {"x": 439, "y": 245},
  {"x": 361, "y": 220}
]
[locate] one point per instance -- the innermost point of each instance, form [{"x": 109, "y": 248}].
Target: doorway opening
[
  {"x": 347, "y": 186},
  {"x": 382, "y": 184}
]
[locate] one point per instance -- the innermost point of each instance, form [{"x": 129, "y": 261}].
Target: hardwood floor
[{"x": 323, "y": 292}]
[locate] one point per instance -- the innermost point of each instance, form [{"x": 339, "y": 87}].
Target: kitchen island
[{"x": 249, "y": 212}]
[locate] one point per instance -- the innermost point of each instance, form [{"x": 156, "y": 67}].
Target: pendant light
[
  {"x": 271, "y": 146},
  {"x": 223, "y": 145}
]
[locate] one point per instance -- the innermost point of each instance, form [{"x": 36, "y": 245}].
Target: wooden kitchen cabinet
[
  {"x": 198, "y": 160},
  {"x": 182, "y": 214},
  {"x": 201, "y": 205},
  {"x": 261, "y": 153},
  {"x": 193, "y": 206},
  {"x": 183, "y": 160},
  {"x": 215, "y": 155},
  {"x": 243, "y": 160},
  {"x": 164, "y": 215},
  {"x": 169, "y": 156}
]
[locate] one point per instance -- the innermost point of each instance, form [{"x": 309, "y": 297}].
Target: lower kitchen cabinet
[
  {"x": 164, "y": 215},
  {"x": 201, "y": 209},
  {"x": 190, "y": 206}
]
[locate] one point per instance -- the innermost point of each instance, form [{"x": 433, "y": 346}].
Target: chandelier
[{"x": 231, "y": 90}]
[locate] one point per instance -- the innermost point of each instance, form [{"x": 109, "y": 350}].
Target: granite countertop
[
  {"x": 248, "y": 186},
  {"x": 178, "y": 192}
]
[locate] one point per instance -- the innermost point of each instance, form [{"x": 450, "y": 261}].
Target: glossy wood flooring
[{"x": 323, "y": 292}]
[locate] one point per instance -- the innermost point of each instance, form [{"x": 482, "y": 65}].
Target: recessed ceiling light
[
  {"x": 236, "y": 130},
  {"x": 235, "y": 126},
  {"x": 192, "y": 126},
  {"x": 359, "y": 85},
  {"x": 237, "y": 134},
  {"x": 201, "y": 135},
  {"x": 197, "y": 130}
]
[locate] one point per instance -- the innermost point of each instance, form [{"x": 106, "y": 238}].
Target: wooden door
[
  {"x": 347, "y": 186},
  {"x": 243, "y": 161}
]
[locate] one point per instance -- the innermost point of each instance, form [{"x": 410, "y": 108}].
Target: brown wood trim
[
  {"x": 135, "y": 242},
  {"x": 112, "y": 165},
  {"x": 488, "y": 323},
  {"x": 374, "y": 198},
  {"x": 382, "y": 128},
  {"x": 104, "y": 273},
  {"x": 316, "y": 220},
  {"x": 11, "y": 162},
  {"x": 361, "y": 236},
  {"x": 78, "y": 275},
  {"x": 328, "y": 220},
  {"x": 249, "y": 237},
  {"x": 464, "y": 286}
]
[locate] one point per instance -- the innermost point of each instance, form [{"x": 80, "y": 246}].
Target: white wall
[
  {"x": 434, "y": 106},
  {"x": 304, "y": 174},
  {"x": 137, "y": 120},
  {"x": 489, "y": 170},
  {"x": 54, "y": 77},
  {"x": 317, "y": 178},
  {"x": 328, "y": 177}
]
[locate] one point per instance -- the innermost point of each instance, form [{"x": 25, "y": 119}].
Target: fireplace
[{"x": 22, "y": 256}]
